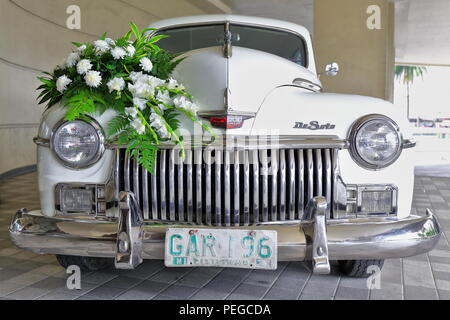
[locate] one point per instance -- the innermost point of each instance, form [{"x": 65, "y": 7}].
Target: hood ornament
[{"x": 227, "y": 119}]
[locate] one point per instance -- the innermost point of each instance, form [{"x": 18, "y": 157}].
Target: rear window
[{"x": 278, "y": 42}]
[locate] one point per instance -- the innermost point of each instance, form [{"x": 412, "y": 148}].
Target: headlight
[
  {"x": 78, "y": 144},
  {"x": 375, "y": 142}
]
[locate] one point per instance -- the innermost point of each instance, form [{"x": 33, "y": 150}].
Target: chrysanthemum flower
[
  {"x": 62, "y": 83},
  {"x": 131, "y": 50},
  {"x": 93, "y": 79},
  {"x": 116, "y": 84},
  {"x": 101, "y": 46},
  {"x": 72, "y": 59},
  {"x": 146, "y": 64},
  {"x": 118, "y": 53},
  {"x": 84, "y": 66}
]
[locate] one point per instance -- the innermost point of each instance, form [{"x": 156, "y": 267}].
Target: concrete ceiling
[{"x": 423, "y": 32}]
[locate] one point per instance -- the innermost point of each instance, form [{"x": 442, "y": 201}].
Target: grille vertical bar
[{"x": 225, "y": 188}]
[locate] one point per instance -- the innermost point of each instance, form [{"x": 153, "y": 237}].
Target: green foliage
[
  {"x": 407, "y": 74},
  {"x": 81, "y": 100}
]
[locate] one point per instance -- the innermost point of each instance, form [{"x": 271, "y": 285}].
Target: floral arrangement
[{"x": 130, "y": 77}]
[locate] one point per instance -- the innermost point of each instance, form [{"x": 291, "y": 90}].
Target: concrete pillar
[{"x": 366, "y": 56}]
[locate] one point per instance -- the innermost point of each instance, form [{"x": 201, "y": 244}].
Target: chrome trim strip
[
  {"x": 310, "y": 174},
  {"x": 180, "y": 179},
  {"x": 328, "y": 180},
  {"x": 127, "y": 172},
  {"x": 208, "y": 186},
  {"x": 218, "y": 188},
  {"x": 154, "y": 189},
  {"x": 292, "y": 176},
  {"x": 227, "y": 189},
  {"x": 145, "y": 193},
  {"x": 162, "y": 184},
  {"x": 282, "y": 196},
  {"x": 190, "y": 186},
  {"x": 171, "y": 188},
  {"x": 256, "y": 210},
  {"x": 198, "y": 185},
  {"x": 301, "y": 181},
  {"x": 274, "y": 155},
  {"x": 237, "y": 189},
  {"x": 408, "y": 143},
  {"x": 136, "y": 179},
  {"x": 264, "y": 185},
  {"x": 246, "y": 209},
  {"x": 318, "y": 191}
]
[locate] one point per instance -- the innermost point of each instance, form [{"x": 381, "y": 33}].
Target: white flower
[
  {"x": 146, "y": 64},
  {"x": 162, "y": 107},
  {"x": 101, "y": 46},
  {"x": 72, "y": 59},
  {"x": 118, "y": 53},
  {"x": 140, "y": 103},
  {"x": 184, "y": 103},
  {"x": 62, "y": 83},
  {"x": 141, "y": 90},
  {"x": 84, "y": 66},
  {"x": 131, "y": 111},
  {"x": 164, "y": 97},
  {"x": 81, "y": 48},
  {"x": 131, "y": 50},
  {"x": 110, "y": 42},
  {"x": 156, "y": 121},
  {"x": 151, "y": 81},
  {"x": 135, "y": 76},
  {"x": 163, "y": 133},
  {"x": 172, "y": 84},
  {"x": 138, "y": 126},
  {"x": 93, "y": 79},
  {"x": 116, "y": 84}
]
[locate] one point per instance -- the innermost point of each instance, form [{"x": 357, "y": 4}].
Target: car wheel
[
  {"x": 359, "y": 268},
  {"x": 86, "y": 264}
]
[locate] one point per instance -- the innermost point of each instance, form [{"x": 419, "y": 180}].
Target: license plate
[{"x": 233, "y": 248}]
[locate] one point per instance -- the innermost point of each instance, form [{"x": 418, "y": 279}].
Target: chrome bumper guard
[{"x": 131, "y": 239}]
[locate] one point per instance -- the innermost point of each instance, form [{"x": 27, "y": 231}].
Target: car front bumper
[{"x": 314, "y": 238}]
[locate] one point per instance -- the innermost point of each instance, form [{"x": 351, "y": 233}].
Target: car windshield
[{"x": 281, "y": 43}]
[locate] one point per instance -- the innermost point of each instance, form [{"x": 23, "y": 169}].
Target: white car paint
[{"x": 259, "y": 82}]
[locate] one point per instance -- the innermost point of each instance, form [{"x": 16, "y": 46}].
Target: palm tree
[{"x": 407, "y": 74}]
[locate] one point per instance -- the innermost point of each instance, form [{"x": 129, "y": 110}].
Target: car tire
[
  {"x": 359, "y": 268},
  {"x": 86, "y": 264}
]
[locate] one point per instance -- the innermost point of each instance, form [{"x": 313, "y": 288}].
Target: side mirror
[{"x": 331, "y": 69}]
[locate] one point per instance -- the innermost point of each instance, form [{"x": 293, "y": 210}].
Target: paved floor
[{"x": 25, "y": 275}]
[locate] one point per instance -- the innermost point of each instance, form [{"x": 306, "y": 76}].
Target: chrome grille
[{"x": 230, "y": 188}]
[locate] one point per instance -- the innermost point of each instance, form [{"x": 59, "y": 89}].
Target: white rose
[
  {"x": 116, "y": 84},
  {"x": 146, "y": 64},
  {"x": 118, "y": 53},
  {"x": 62, "y": 83},
  {"x": 84, "y": 66},
  {"x": 93, "y": 79}
]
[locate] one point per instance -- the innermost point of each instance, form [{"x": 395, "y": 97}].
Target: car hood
[{"x": 240, "y": 82}]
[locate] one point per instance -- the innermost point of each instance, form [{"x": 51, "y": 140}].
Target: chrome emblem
[{"x": 314, "y": 125}]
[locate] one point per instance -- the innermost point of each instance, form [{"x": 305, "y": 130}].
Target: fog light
[
  {"x": 367, "y": 200},
  {"x": 76, "y": 200}
]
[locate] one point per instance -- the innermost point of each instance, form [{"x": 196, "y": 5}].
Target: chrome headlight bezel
[
  {"x": 357, "y": 126},
  {"x": 101, "y": 141}
]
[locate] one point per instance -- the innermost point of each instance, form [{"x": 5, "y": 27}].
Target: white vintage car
[{"x": 293, "y": 173}]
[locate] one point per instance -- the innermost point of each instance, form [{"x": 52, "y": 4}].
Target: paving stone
[
  {"x": 28, "y": 278},
  {"x": 417, "y": 273},
  {"x": 27, "y": 293},
  {"x": 275, "y": 293},
  {"x": 199, "y": 278},
  {"x": 8, "y": 273},
  {"x": 9, "y": 287},
  {"x": 50, "y": 283},
  {"x": 387, "y": 291},
  {"x": 443, "y": 284},
  {"x": 143, "y": 291},
  {"x": 444, "y": 294},
  {"x": 105, "y": 292},
  {"x": 419, "y": 293},
  {"x": 178, "y": 292},
  {"x": 248, "y": 292},
  {"x": 58, "y": 296},
  {"x": 345, "y": 293},
  {"x": 98, "y": 277},
  {"x": 123, "y": 282},
  {"x": 170, "y": 275},
  {"x": 314, "y": 297},
  {"x": 441, "y": 267}
]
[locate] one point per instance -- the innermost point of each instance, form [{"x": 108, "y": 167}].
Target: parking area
[{"x": 25, "y": 275}]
